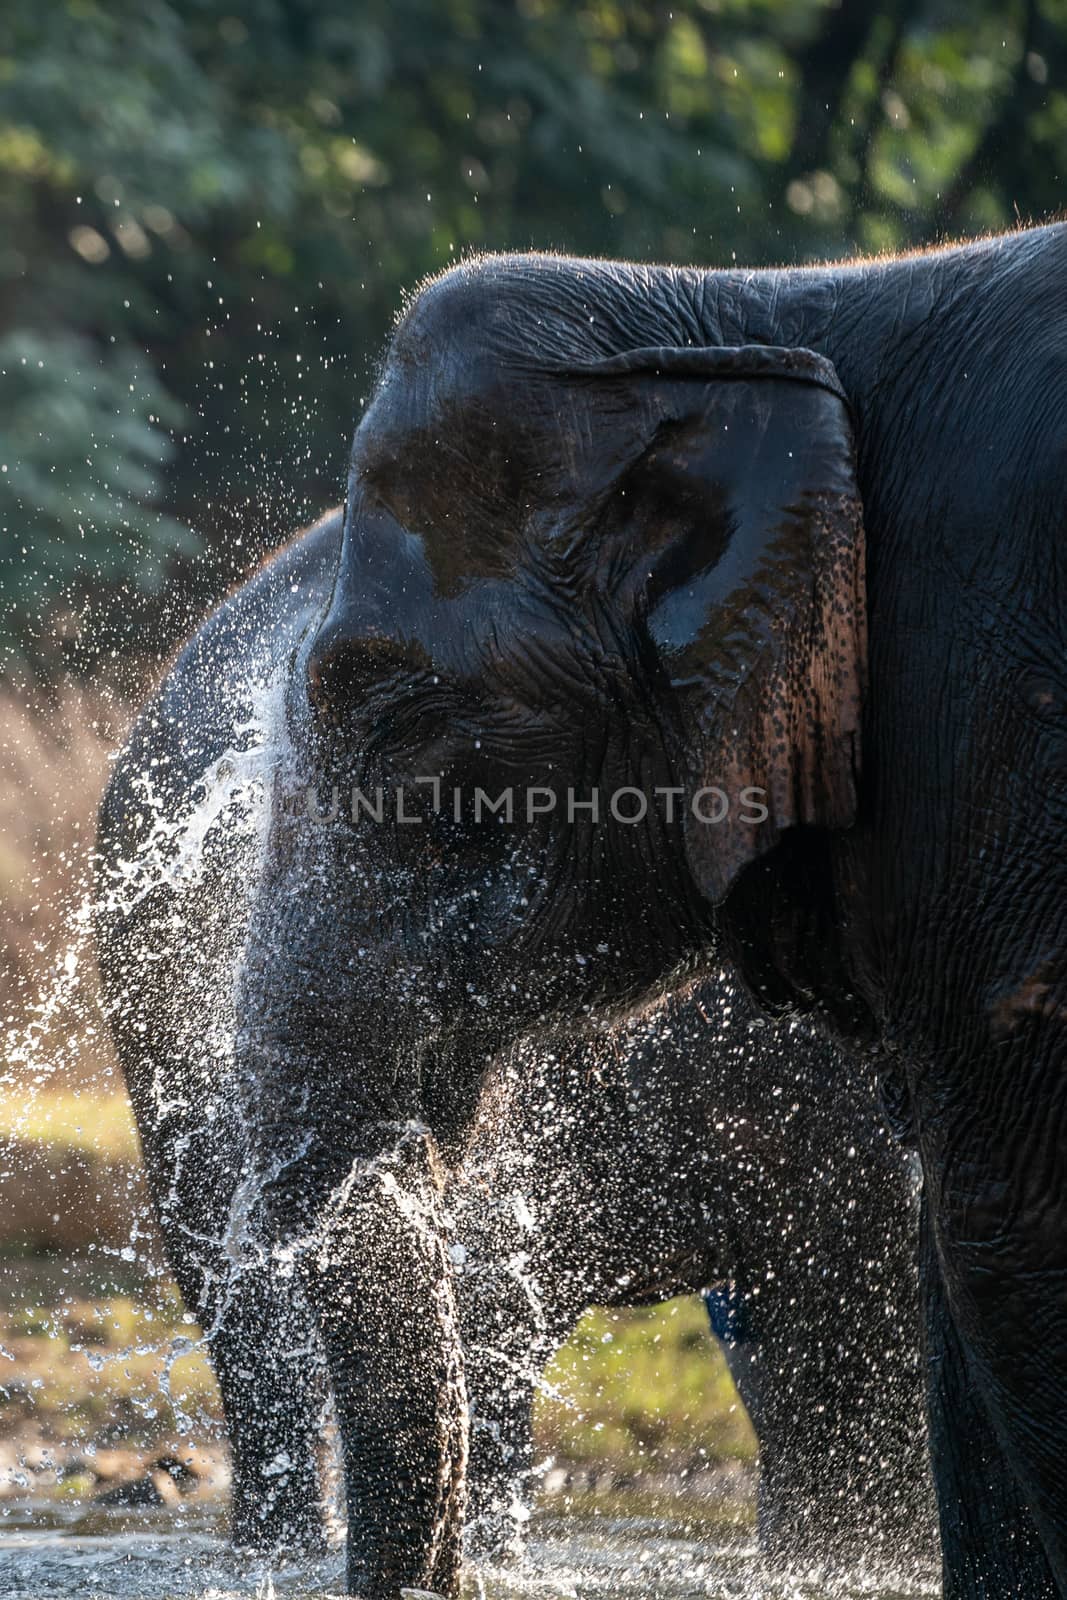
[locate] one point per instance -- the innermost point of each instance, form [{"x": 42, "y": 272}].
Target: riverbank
[{"x": 102, "y": 1377}]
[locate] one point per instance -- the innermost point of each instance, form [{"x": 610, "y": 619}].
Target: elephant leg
[
  {"x": 267, "y": 1359},
  {"x": 841, "y": 1477},
  {"x": 506, "y": 1346},
  {"x": 732, "y": 1315},
  {"x": 260, "y": 1335},
  {"x": 998, "y": 1225},
  {"x": 979, "y": 1505},
  {"x": 843, "y": 1467},
  {"x": 501, "y": 1456},
  {"x": 364, "y": 1230}
]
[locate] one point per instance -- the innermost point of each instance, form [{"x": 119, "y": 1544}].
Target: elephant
[
  {"x": 695, "y": 1143},
  {"x": 685, "y": 1143},
  {"x": 745, "y": 586}
]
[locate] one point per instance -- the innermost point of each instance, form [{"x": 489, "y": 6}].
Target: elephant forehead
[
  {"x": 553, "y": 309},
  {"x": 472, "y": 431},
  {"x": 399, "y": 586},
  {"x": 455, "y": 454},
  {"x": 456, "y": 394}
]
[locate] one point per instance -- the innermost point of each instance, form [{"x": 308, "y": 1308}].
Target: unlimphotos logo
[{"x": 628, "y": 806}]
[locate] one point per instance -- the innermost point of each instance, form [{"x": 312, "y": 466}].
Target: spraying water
[
  {"x": 615, "y": 1543},
  {"x": 519, "y": 1220}
]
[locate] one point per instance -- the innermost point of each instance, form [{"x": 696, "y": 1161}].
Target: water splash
[{"x": 496, "y": 1219}]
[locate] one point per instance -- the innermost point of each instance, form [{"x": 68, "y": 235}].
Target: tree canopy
[{"x": 209, "y": 211}]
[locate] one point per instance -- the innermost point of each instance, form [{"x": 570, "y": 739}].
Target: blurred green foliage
[{"x": 209, "y": 210}]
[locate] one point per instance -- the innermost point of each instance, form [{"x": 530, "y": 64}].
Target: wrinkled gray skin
[
  {"x": 611, "y": 525},
  {"x": 690, "y": 1145},
  {"x": 654, "y": 1154}
]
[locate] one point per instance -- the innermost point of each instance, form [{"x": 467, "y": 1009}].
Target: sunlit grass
[
  {"x": 655, "y": 1395},
  {"x": 101, "y": 1124},
  {"x": 643, "y": 1386},
  {"x": 641, "y": 1389},
  {"x": 108, "y": 1370}
]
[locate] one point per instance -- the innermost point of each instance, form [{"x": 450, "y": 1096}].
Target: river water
[
  {"x": 578, "y": 1555},
  {"x": 89, "y": 1421}
]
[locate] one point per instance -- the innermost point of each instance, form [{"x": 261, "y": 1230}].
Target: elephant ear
[{"x": 744, "y": 498}]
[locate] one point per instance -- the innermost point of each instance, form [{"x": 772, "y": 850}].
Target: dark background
[{"x": 209, "y": 213}]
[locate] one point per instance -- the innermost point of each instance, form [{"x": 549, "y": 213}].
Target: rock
[
  {"x": 163, "y": 1484},
  {"x": 140, "y": 1492},
  {"x": 180, "y": 1473}
]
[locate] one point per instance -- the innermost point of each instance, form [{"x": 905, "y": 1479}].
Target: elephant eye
[
  {"x": 345, "y": 672},
  {"x": 1043, "y": 697}
]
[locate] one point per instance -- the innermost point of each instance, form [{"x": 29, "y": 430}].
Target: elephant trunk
[
  {"x": 331, "y": 1017},
  {"x": 374, "y": 1264}
]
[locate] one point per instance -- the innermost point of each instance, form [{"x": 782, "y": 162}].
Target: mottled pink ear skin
[{"x": 752, "y": 515}]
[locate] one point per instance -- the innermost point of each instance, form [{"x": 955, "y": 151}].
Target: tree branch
[
  {"x": 863, "y": 142},
  {"x": 825, "y": 66},
  {"x": 1009, "y": 125}
]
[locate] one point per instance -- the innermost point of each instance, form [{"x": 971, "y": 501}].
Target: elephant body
[
  {"x": 788, "y": 540},
  {"x": 687, "y": 1142},
  {"x": 694, "y": 1144},
  {"x": 179, "y": 851}
]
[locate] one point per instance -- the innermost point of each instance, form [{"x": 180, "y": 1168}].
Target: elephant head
[
  {"x": 617, "y": 576},
  {"x": 633, "y": 603}
]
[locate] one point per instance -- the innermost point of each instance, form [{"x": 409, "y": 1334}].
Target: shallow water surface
[{"x": 577, "y": 1555}]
